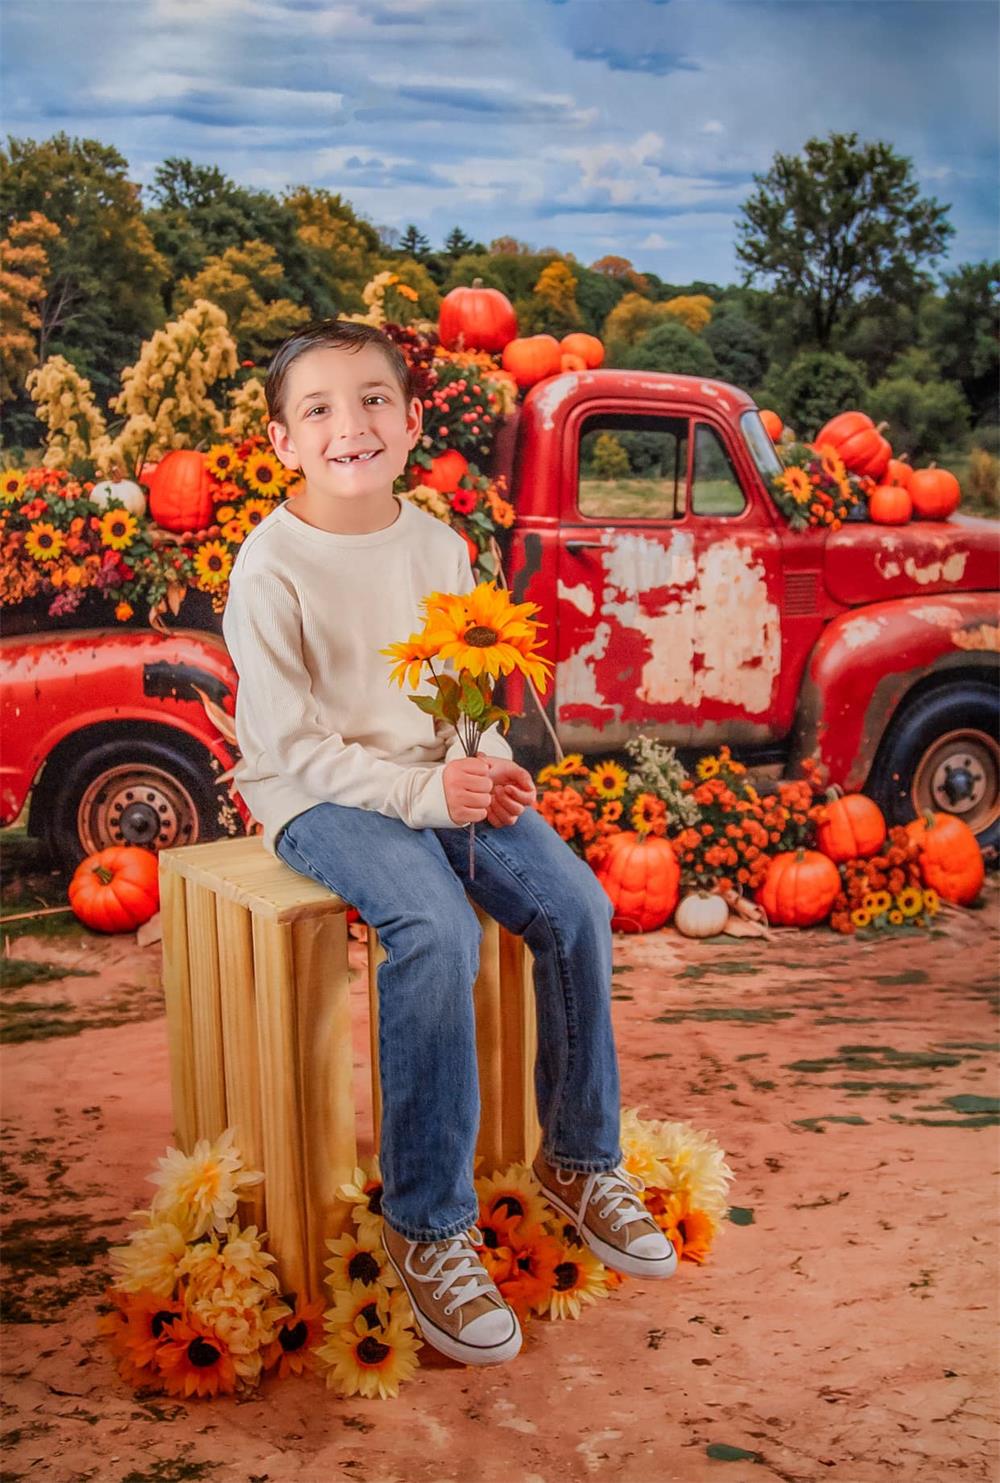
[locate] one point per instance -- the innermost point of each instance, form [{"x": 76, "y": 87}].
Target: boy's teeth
[{"x": 355, "y": 457}]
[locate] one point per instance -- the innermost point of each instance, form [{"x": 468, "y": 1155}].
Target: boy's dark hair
[{"x": 336, "y": 332}]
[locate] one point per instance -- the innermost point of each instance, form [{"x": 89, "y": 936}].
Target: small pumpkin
[
  {"x": 122, "y": 490},
  {"x": 951, "y": 861},
  {"x": 532, "y": 358},
  {"x": 444, "y": 473},
  {"x": 898, "y": 472},
  {"x": 773, "y": 424},
  {"x": 849, "y": 825},
  {"x": 589, "y": 347},
  {"x": 117, "y": 889},
  {"x": 476, "y": 318},
  {"x": 641, "y": 875},
  {"x": 180, "y": 491},
  {"x": 890, "y": 504},
  {"x": 799, "y": 889},
  {"x": 702, "y": 914},
  {"x": 935, "y": 493},
  {"x": 572, "y": 362},
  {"x": 859, "y": 443}
]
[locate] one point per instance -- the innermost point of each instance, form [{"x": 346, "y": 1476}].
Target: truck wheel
[
  {"x": 943, "y": 754},
  {"x": 131, "y": 793}
]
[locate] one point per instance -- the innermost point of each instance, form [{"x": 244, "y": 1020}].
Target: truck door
[{"x": 669, "y": 585}]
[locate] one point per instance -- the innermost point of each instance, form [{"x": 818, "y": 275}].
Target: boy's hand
[
  {"x": 467, "y": 787},
  {"x": 513, "y": 791}
]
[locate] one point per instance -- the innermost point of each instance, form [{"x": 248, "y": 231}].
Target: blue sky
[{"x": 593, "y": 126}]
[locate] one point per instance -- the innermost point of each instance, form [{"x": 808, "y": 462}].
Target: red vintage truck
[{"x": 678, "y": 601}]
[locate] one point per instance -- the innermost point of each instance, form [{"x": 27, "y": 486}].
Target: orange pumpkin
[
  {"x": 589, "y": 347},
  {"x": 476, "y": 318},
  {"x": 849, "y": 826},
  {"x": 799, "y": 888},
  {"x": 180, "y": 491},
  {"x": 859, "y": 442},
  {"x": 935, "y": 493},
  {"x": 444, "y": 473},
  {"x": 898, "y": 472},
  {"x": 773, "y": 424},
  {"x": 890, "y": 504},
  {"x": 572, "y": 362},
  {"x": 117, "y": 889},
  {"x": 642, "y": 877},
  {"x": 473, "y": 549},
  {"x": 951, "y": 861},
  {"x": 532, "y": 359}
]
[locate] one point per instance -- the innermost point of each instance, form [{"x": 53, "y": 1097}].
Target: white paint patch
[
  {"x": 575, "y": 682},
  {"x": 857, "y": 632},
  {"x": 553, "y": 393},
  {"x": 663, "y": 385},
  {"x": 940, "y": 617},
  {"x": 951, "y": 569},
  {"x": 635, "y": 563},
  {"x": 736, "y": 625},
  {"x": 593, "y": 1450},
  {"x": 581, "y": 596}
]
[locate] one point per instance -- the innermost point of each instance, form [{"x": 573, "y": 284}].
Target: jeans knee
[{"x": 452, "y": 936}]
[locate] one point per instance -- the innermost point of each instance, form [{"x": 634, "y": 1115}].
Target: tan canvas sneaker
[
  {"x": 454, "y": 1300},
  {"x": 609, "y": 1215}
]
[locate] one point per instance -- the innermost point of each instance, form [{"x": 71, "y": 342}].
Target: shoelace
[
  {"x": 618, "y": 1188},
  {"x": 466, "y": 1269}
]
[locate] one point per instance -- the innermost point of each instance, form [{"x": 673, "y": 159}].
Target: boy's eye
[
  {"x": 318, "y": 407},
  {"x": 376, "y": 396}
]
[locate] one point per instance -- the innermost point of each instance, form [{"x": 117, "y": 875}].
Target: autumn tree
[
  {"x": 24, "y": 268},
  {"x": 838, "y": 226},
  {"x": 342, "y": 244},
  {"x": 693, "y": 311},
  {"x": 248, "y": 283},
  {"x": 553, "y": 309},
  {"x": 622, "y": 270}
]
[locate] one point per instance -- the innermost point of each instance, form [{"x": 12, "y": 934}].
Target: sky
[{"x": 632, "y": 127}]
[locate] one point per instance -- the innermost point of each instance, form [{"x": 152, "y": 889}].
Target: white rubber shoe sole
[
  {"x": 495, "y": 1353},
  {"x": 631, "y": 1263}
]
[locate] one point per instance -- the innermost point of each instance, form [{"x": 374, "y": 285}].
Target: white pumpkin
[
  {"x": 129, "y": 494},
  {"x": 702, "y": 914}
]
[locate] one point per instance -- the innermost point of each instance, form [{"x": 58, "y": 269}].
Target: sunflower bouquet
[
  {"x": 483, "y": 634},
  {"x": 195, "y": 1309},
  {"x": 815, "y": 488},
  {"x": 884, "y": 891}
]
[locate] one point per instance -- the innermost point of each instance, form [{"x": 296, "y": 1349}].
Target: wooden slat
[
  {"x": 243, "y": 870},
  {"x": 376, "y": 955},
  {"x": 489, "y": 1047},
  {"x": 234, "y": 929},
  {"x": 206, "y": 1011},
  {"x": 518, "y": 1116},
  {"x": 178, "y": 1004}
]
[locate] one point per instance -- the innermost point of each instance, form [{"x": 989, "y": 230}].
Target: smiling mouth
[{"x": 357, "y": 457}]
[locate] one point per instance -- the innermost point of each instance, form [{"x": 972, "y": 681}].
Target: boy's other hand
[
  {"x": 513, "y": 791},
  {"x": 467, "y": 787}
]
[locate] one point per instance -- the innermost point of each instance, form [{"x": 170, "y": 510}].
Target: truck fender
[{"x": 868, "y": 661}]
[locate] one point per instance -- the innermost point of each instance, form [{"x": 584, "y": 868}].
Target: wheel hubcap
[
  {"x": 136, "y": 805},
  {"x": 960, "y": 774}
]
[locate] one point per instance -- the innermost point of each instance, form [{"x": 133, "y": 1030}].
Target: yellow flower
[
  {"x": 896, "y": 917},
  {"x": 224, "y": 513},
  {"x": 357, "y": 1259},
  {"x": 264, "y": 473},
  {"x": 231, "y": 1263},
  {"x": 253, "y": 512},
  {"x": 483, "y": 632},
  {"x": 213, "y": 562},
  {"x": 150, "y": 1258},
  {"x": 410, "y": 658},
  {"x": 860, "y": 917},
  {"x": 370, "y": 1363},
  {"x": 234, "y": 532},
  {"x": 124, "y": 611},
  {"x": 515, "y": 1192},
  {"x": 364, "y": 1193},
  {"x": 222, "y": 460},
  {"x": 695, "y": 1165},
  {"x": 379, "y": 1305},
  {"x": 647, "y": 812},
  {"x": 909, "y": 901},
  {"x": 11, "y": 486},
  {"x": 571, "y": 763},
  {"x": 43, "y": 541},
  {"x": 407, "y": 292},
  {"x": 580, "y": 1278},
  {"x": 932, "y": 901},
  {"x": 877, "y": 901},
  {"x": 609, "y": 780},
  {"x": 796, "y": 483},
  {"x": 708, "y": 767},
  {"x": 118, "y": 528},
  {"x": 200, "y": 1191}
]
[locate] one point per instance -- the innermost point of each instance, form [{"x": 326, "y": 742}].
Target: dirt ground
[{"x": 845, "y": 1330}]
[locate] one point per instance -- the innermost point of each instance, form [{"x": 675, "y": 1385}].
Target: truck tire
[
  {"x": 942, "y": 753},
  {"x": 146, "y": 792}
]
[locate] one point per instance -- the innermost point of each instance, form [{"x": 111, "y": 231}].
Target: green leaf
[
  {"x": 723, "y": 1452},
  {"x": 740, "y": 1216},
  {"x": 448, "y": 686},
  {"x": 473, "y": 703},
  {"x": 430, "y": 704}
]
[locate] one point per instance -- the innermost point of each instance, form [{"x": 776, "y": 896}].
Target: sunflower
[
  {"x": 379, "y": 1305},
  {"x": 253, "y": 512},
  {"x": 612, "y": 812},
  {"x": 194, "y": 1361},
  {"x": 411, "y": 658},
  {"x": 150, "y": 1320},
  {"x": 896, "y": 917},
  {"x": 234, "y": 532},
  {"x": 43, "y": 541},
  {"x": 484, "y": 632},
  {"x": 225, "y": 513},
  {"x": 832, "y": 464},
  {"x": 909, "y": 900},
  {"x": 514, "y": 1193},
  {"x": 11, "y": 486},
  {"x": 263, "y": 473},
  {"x": 365, "y": 1196},
  {"x": 368, "y": 1363},
  {"x": 213, "y": 561},
  {"x": 860, "y": 917},
  {"x": 609, "y": 780},
  {"x": 691, "y": 1231},
  {"x": 708, "y": 767},
  {"x": 579, "y": 1279},
  {"x": 648, "y": 813},
  {"x": 150, "y": 1258},
  {"x": 877, "y": 902},
  {"x": 222, "y": 460},
  {"x": 496, "y": 1251},
  {"x": 534, "y": 1271},
  {"x": 357, "y": 1259},
  {"x": 118, "y": 527},
  {"x": 571, "y": 765},
  {"x": 796, "y": 483},
  {"x": 200, "y": 1190},
  {"x": 113, "y": 1324}
]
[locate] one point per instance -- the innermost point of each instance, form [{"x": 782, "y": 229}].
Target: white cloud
[
  {"x": 653, "y": 240},
  {"x": 713, "y": 126}
]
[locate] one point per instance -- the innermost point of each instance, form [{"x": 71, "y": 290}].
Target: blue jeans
[{"x": 411, "y": 885}]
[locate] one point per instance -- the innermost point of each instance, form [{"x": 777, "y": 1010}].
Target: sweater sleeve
[
  {"x": 278, "y": 727},
  {"x": 493, "y": 742}
]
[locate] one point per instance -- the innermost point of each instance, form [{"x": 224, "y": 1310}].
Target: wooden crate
[{"x": 255, "y": 970}]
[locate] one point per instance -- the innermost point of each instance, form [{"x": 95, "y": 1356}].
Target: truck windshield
[{"x": 760, "y": 445}]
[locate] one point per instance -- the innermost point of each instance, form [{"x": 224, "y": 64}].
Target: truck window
[
  {"x": 715, "y": 489},
  {"x": 760, "y": 445},
  {"x": 633, "y": 466}
]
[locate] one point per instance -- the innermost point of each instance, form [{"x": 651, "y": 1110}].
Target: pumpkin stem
[
  {"x": 834, "y": 792},
  {"x": 477, "y": 283},
  {"x": 104, "y": 875},
  {"x": 881, "y": 427}
]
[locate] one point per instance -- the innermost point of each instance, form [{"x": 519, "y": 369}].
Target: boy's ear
[
  {"x": 415, "y": 420},
  {"x": 282, "y": 444}
]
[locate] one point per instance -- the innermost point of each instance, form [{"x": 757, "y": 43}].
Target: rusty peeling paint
[
  {"x": 951, "y": 569},
  {"x": 986, "y": 637},
  {"x": 553, "y": 393},
  {"x": 940, "y": 616},
  {"x": 856, "y": 632},
  {"x": 580, "y": 596}
]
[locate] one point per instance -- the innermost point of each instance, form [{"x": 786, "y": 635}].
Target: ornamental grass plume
[
  {"x": 64, "y": 401},
  {"x": 483, "y": 635}
]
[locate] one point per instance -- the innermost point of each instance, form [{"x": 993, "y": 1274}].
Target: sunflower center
[
  {"x": 160, "y": 1321},
  {"x": 510, "y": 1204},
  {"x": 202, "y": 1353},
  {"x": 294, "y": 1337},
  {"x": 566, "y": 1276},
  {"x": 371, "y": 1352},
  {"x": 363, "y": 1268},
  {"x": 490, "y": 1237},
  {"x": 375, "y": 1199},
  {"x": 215, "y": 563},
  {"x": 480, "y": 637}
]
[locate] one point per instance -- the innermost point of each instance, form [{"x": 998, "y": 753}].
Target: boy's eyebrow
[{"x": 365, "y": 386}]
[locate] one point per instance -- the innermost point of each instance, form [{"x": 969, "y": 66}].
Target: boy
[{"x": 357, "y": 787}]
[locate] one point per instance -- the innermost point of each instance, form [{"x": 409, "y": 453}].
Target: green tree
[
  {"x": 670, "y": 347},
  {"x": 341, "y": 244},
  {"x": 739, "y": 347},
  {"x": 105, "y": 274},
  {"x": 457, "y": 242},
  {"x": 962, "y": 330},
  {"x": 597, "y": 295},
  {"x": 925, "y": 414},
  {"x": 815, "y": 387},
  {"x": 413, "y": 242},
  {"x": 248, "y": 282},
  {"x": 838, "y": 225},
  {"x": 610, "y": 460}
]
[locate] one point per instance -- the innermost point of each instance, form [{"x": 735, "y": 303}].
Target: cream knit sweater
[{"x": 317, "y": 719}]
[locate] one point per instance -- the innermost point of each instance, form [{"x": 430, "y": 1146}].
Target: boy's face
[{"x": 337, "y": 404}]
